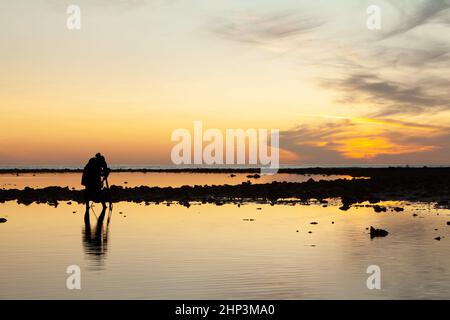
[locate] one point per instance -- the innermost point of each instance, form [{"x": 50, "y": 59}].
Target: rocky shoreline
[{"x": 396, "y": 184}]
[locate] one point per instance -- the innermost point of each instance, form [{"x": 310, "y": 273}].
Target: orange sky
[{"x": 136, "y": 71}]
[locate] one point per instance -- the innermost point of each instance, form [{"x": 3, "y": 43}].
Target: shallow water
[
  {"x": 218, "y": 252},
  {"x": 157, "y": 179}
]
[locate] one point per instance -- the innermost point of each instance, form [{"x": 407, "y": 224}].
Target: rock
[
  {"x": 344, "y": 207},
  {"x": 3, "y": 220},
  {"x": 232, "y": 175},
  {"x": 254, "y": 176},
  {"x": 398, "y": 209},
  {"x": 437, "y": 238},
  {"x": 378, "y": 208},
  {"x": 377, "y": 232},
  {"x": 415, "y": 215},
  {"x": 314, "y": 222},
  {"x": 309, "y": 231},
  {"x": 448, "y": 223}
]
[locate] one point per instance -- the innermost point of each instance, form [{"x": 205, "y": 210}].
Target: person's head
[{"x": 98, "y": 155}]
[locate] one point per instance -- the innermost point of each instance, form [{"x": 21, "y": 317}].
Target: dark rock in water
[
  {"x": 53, "y": 203},
  {"x": 3, "y": 220},
  {"x": 378, "y": 208},
  {"x": 398, "y": 209},
  {"x": 377, "y": 232},
  {"x": 254, "y": 176},
  {"x": 314, "y": 222},
  {"x": 297, "y": 230},
  {"x": 332, "y": 222},
  {"x": 437, "y": 238},
  {"x": 69, "y": 203},
  {"x": 309, "y": 231},
  {"x": 346, "y": 203},
  {"x": 258, "y": 208},
  {"x": 184, "y": 203},
  {"x": 415, "y": 215},
  {"x": 448, "y": 223},
  {"x": 232, "y": 175}
]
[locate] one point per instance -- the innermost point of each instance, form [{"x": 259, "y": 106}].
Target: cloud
[
  {"x": 394, "y": 73},
  {"x": 251, "y": 28},
  {"x": 392, "y": 97},
  {"x": 416, "y": 15},
  {"x": 384, "y": 76},
  {"x": 366, "y": 140}
]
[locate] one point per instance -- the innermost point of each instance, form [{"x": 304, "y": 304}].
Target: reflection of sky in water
[
  {"x": 208, "y": 251},
  {"x": 161, "y": 179}
]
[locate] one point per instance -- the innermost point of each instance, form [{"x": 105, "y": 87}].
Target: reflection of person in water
[{"x": 95, "y": 238}]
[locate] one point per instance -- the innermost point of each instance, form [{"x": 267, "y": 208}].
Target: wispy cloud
[
  {"x": 403, "y": 70},
  {"x": 412, "y": 16},
  {"x": 265, "y": 30},
  {"x": 392, "y": 97}
]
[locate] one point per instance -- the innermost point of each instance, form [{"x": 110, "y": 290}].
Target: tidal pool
[{"x": 255, "y": 251}]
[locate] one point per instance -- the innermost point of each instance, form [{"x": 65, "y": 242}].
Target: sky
[{"x": 340, "y": 93}]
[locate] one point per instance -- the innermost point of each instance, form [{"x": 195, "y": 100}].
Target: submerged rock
[
  {"x": 3, "y": 220},
  {"x": 377, "y": 232}
]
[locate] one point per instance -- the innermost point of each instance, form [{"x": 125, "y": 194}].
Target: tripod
[{"x": 105, "y": 195}]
